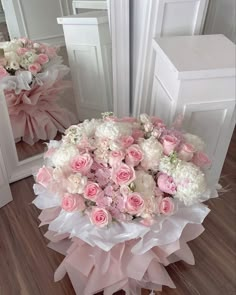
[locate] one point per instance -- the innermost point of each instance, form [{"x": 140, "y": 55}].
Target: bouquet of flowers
[
  {"x": 122, "y": 198},
  {"x": 31, "y": 76}
]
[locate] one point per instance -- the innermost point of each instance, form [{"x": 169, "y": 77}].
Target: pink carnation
[
  {"x": 72, "y": 202},
  {"x": 100, "y": 217},
  {"x": 123, "y": 174}
]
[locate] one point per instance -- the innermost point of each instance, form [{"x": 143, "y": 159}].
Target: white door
[
  {"x": 36, "y": 20},
  {"x": 5, "y": 192}
]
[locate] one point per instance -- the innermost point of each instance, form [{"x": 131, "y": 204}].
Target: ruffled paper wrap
[
  {"x": 124, "y": 256},
  {"x": 33, "y": 104}
]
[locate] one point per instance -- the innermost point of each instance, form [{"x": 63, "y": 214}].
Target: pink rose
[
  {"x": 186, "y": 152},
  {"x": 92, "y": 191},
  {"x": 72, "y": 202},
  {"x": 24, "y": 40},
  {"x": 134, "y": 204},
  {"x": 81, "y": 163},
  {"x": 200, "y": 159},
  {"x": 42, "y": 59},
  {"x": 166, "y": 206},
  {"x": 128, "y": 120},
  {"x": 50, "y": 51},
  {"x": 134, "y": 155},
  {"x": 100, "y": 217},
  {"x": 166, "y": 184},
  {"x": 123, "y": 174},
  {"x": 126, "y": 141},
  {"x": 3, "y": 72},
  {"x": 22, "y": 50},
  {"x": 116, "y": 157},
  {"x": 34, "y": 68},
  {"x": 44, "y": 176},
  {"x": 169, "y": 144},
  {"x": 137, "y": 133},
  {"x": 157, "y": 122}
]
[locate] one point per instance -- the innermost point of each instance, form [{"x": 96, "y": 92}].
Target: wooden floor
[
  {"x": 27, "y": 265},
  {"x": 25, "y": 151}
]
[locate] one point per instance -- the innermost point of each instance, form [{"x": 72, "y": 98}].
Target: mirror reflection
[{"x": 54, "y": 81}]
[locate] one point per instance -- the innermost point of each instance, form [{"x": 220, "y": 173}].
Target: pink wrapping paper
[
  {"x": 92, "y": 270},
  {"x": 35, "y": 113}
]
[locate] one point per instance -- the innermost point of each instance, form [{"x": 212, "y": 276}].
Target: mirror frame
[{"x": 120, "y": 30}]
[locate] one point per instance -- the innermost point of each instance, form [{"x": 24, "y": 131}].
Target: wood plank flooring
[{"x": 27, "y": 265}]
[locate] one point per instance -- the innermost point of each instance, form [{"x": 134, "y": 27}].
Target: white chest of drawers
[{"x": 195, "y": 76}]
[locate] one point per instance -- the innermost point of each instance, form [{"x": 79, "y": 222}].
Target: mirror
[{"x": 47, "y": 89}]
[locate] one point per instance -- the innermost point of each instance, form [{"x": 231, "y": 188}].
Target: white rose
[
  {"x": 14, "y": 65},
  {"x": 144, "y": 118},
  {"x": 12, "y": 57},
  {"x": 113, "y": 130},
  {"x": 63, "y": 155},
  {"x": 153, "y": 152},
  {"x": 195, "y": 140},
  {"x": 76, "y": 183},
  {"x": 144, "y": 183}
]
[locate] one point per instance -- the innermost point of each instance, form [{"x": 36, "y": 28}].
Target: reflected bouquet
[
  {"x": 32, "y": 78},
  {"x": 126, "y": 192},
  {"x": 25, "y": 55}
]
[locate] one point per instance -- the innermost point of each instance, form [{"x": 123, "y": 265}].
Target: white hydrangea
[
  {"x": 90, "y": 126},
  {"x": 167, "y": 165},
  {"x": 113, "y": 130},
  {"x": 144, "y": 183},
  {"x": 195, "y": 140},
  {"x": 153, "y": 151},
  {"x": 190, "y": 181},
  {"x": 64, "y": 154},
  {"x": 12, "y": 57}
]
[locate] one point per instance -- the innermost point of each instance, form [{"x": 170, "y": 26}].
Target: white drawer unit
[
  {"x": 158, "y": 18},
  {"x": 89, "y": 49},
  {"x": 195, "y": 76}
]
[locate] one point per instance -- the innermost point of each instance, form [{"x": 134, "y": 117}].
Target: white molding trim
[
  {"x": 151, "y": 17},
  {"x": 120, "y": 56},
  {"x": 15, "y": 169},
  {"x": 18, "y": 26}
]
